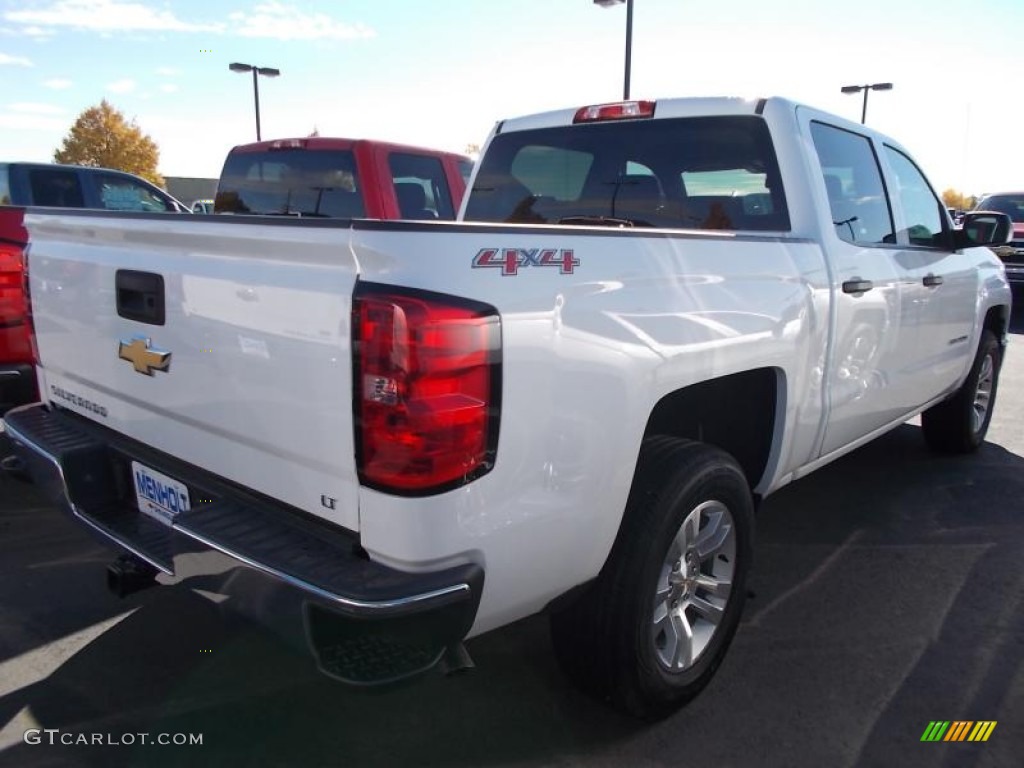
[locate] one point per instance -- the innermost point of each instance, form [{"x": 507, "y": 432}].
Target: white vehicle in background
[
  {"x": 202, "y": 206},
  {"x": 653, "y": 315}
]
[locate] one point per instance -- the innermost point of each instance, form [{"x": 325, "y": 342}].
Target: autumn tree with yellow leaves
[
  {"x": 102, "y": 138},
  {"x": 954, "y": 199}
]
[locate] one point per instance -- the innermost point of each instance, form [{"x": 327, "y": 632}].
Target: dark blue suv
[{"x": 75, "y": 186}]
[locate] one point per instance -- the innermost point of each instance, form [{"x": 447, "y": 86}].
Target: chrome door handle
[{"x": 857, "y": 286}]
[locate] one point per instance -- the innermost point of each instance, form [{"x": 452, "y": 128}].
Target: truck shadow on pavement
[{"x": 888, "y": 593}]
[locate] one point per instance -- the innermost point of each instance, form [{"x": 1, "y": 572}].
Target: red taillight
[
  {"x": 621, "y": 110},
  {"x": 17, "y": 342},
  {"x": 427, "y": 389}
]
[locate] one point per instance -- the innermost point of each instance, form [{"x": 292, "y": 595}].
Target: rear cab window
[
  {"x": 689, "y": 173},
  {"x": 291, "y": 182}
]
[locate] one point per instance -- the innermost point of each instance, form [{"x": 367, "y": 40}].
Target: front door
[{"x": 941, "y": 283}]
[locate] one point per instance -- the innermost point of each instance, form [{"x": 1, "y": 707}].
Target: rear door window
[
  {"x": 121, "y": 193},
  {"x": 692, "y": 173},
  {"x": 853, "y": 182},
  {"x": 421, "y": 186},
  {"x": 55, "y": 187},
  {"x": 291, "y": 182}
]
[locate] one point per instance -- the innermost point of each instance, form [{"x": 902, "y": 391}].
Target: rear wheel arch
[{"x": 740, "y": 413}]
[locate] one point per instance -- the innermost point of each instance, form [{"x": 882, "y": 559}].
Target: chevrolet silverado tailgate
[{"x": 224, "y": 343}]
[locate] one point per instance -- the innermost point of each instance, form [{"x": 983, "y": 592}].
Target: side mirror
[{"x": 983, "y": 228}]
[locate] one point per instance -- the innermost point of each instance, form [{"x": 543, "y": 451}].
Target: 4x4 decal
[{"x": 511, "y": 260}]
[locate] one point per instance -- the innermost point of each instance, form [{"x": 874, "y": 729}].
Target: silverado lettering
[{"x": 81, "y": 402}]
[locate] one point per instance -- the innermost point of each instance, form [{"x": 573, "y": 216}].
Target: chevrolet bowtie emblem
[{"x": 145, "y": 359}]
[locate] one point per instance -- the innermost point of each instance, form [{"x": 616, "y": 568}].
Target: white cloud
[
  {"x": 39, "y": 32},
  {"x": 121, "y": 86},
  {"x": 17, "y": 61},
  {"x": 270, "y": 19},
  {"x": 169, "y": 88},
  {"x": 284, "y": 22},
  {"x": 57, "y": 84},
  {"x": 168, "y": 71},
  {"x": 105, "y": 16},
  {"x": 33, "y": 108},
  {"x": 31, "y": 122}
]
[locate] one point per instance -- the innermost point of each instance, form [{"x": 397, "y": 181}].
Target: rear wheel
[
  {"x": 651, "y": 631},
  {"x": 959, "y": 425}
]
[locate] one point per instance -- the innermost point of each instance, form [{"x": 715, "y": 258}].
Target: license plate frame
[{"x": 158, "y": 496}]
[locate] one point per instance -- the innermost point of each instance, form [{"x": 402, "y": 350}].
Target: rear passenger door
[{"x": 867, "y": 377}]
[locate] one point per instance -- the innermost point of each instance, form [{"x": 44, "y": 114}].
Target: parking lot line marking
[
  {"x": 814, "y": 576},
  {"x": 39, "y": 663},
  {"x": 14, "y": 732}
]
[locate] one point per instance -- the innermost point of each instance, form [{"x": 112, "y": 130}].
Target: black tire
[
  {"x": 959, "y": 425},
  {"x": 606, "y": 640}
]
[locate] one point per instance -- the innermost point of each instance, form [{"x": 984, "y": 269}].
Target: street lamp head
[
  {"x": 269, "y": 71},
  {"x": 236, "y": 67},
  {"x": 871, "y": 86},
  {"x": 608, "y": 3}
]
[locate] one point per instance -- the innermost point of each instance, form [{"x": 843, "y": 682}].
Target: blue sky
[{"x": 441, "y": 73}]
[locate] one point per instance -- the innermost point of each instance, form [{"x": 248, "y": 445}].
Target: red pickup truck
[
  {"x": 17, "y": 381},
  {"x": 342, "y": 178}
]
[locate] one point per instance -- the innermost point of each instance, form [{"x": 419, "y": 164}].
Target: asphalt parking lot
[{"x": 888, "y": 593}]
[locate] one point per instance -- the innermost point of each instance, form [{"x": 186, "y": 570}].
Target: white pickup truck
[{"x": 398, "y": 435}]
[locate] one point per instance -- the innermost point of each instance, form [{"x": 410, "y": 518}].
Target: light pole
[
  {"x": 629, "y": 36},
  {"x": 866, "y": 88},
  {"x": 256, "y": 71}
]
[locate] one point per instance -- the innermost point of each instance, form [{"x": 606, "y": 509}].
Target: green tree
[{"x": 102, "y": 138}]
